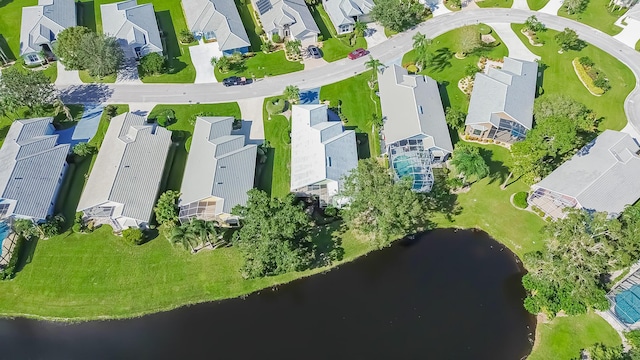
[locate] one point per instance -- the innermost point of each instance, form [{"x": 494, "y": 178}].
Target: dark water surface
[{"x": 444, "y": 295}]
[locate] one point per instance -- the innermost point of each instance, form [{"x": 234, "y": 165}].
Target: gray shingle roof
[
  {"x": 133, "y": 25},
  {"x": 42, "y": 23},
  {"x": 32, "y": 165},
  {"x": 219, "y": 164},
  {"x": 320, "y": 149},
  {"x": 602, "y": 176},
  {"x": 508, "y": 91},
  {"x": 129, "y": 167},
  {"x": 220, "y": 17},
  {"x": 412, "y": 106},
  {"x": 342, "y": 12},
  {"x": 294, "y": 13}
]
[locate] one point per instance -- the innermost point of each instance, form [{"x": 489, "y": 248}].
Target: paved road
[{"x": 388, "y": 51}]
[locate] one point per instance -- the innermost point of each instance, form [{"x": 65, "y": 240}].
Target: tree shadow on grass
[
  {"x": 4, "y": 3},
  {"x": 498, "y": 171},
  {"x": 441, "y": 60},
  {"x": 264, "y": 172},
  {"x": 26, "y": 253},
  {"x": 542, "y": 67},
  {"x": 4, "y": 46},
  {"x": 328, "y": 245},
  {"x": 171, "y": 46},
  {"x": 86, "y": 12}
]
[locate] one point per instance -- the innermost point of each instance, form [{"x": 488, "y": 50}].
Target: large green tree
[
  {"x": 580, "y": 251},
  {"x": 380, "y": 209},
  {"x": 569, "y": 40},
  {"x": 468, "y": 162},
  {"x": 166, "y": 208},
  {"x": 69, "y": 47},
  {"x": 100, "y": 54},
  {"x": 421, "y": 47},
  {"x": 398, "y": 15},
  {"x": 152, "y": 64},
  {"x": 274, "y": 237},
  {"x": 32, "y": 89}
]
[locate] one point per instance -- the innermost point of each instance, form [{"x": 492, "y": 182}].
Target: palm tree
[
  {"x": 359, "y": 28},
  {"x": 211, "y": 228},
  {"x": 469, "y": 162},
  {"x": 293, "y": 47},
  {"x": 222, "y": 63},
  {"x": 421, "y": 47},
  {"x": 182, "y": 235},
  {"x": 60, "y": 107},
  {"x": 420, "y": 41},
  {"x": 292, "y": 93},
  {"x": 376, "y": 65}
]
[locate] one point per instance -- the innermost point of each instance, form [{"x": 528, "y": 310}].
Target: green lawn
[
  {"x": 448, "y": 73},
  {"x": 261, "y": 65},
  {"x": 597, "y": 15},
  {"x": 333, "y": 47},
  {"x": 560, "y": 78},
  {"x": 487, "y": 207},
  {"x": 250, "y": 24},
  {"x": 10, "y": 19},
  {"x": 564, "y": 337},
  {"x": 275, "y": 174},
  {"x": 536, "y": 4},
  {"x": 359, "y": 104},
  {"x": 495, "y": 3},
  {"x": 86, "y": 78}
]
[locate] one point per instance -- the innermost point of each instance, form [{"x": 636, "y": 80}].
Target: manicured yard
[
  {"x": 495, "y": 3},
  {"x": 560, "y": 78},
  {"x": 536, "y": 4},
  {"x": 275, "y": 174},
  {"x": 183, "y": 129},
  {"x": 450, "y": 70},
  {"x": 564, "y": 337},
  {"x": 261, "y": 65},
  {"x": 86, "y": 78},
  {"x": 333, "y": 47},
  {"x": 359, "y": 104},
  {"x": 487, "y": 207},
  {"x": 597, "y": 15},
  {"x": 10, "y": 19},
  {"x": 171, "y": 20}
]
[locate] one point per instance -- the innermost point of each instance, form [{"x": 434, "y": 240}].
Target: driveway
[
  {"x": 630, "y": 33},
  {"x": 86, "y": 127},
  {"x": 310, "y": 62},
  {"x": 520, "y": 4},
  {"x": 552, "y": 7},
  {"x": 374, "y": 35},
  {"x": 437, "y": 7},
  {"x": 201, "y": 55},
  {"x": 252, "y": 124},
  {"x": 516, "y": 48},
  {"x": 128, "y": 73},
  {"x": 67, "y": 77}
]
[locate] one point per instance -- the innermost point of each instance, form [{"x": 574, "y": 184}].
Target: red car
[{"x": 358, "y": 53}]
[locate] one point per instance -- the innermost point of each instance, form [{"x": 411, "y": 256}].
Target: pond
[{"x": 444, "y": 295}]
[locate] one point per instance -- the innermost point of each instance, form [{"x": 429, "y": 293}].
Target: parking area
[{"x": 201, "y": 55}]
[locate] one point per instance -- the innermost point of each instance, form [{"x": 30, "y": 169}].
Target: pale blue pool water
[
  {"x": 4, "y": 232},
  {"x": 628, "y": 305}
]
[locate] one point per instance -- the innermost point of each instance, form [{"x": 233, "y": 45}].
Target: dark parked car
[
  {"x": 236, "y": 80},
  {"x": 314, "y": 52},
  {"x": 358, "y": 53}
]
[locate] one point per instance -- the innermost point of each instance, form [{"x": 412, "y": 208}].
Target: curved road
[{"x": 387, "y": 51}]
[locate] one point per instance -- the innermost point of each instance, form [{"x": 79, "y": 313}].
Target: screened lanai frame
[
  {"x": 203, "y": 210},
  {"x": 410, "y": 158},
  {"x": 626, "y": 294},
  {"x": 552, "y": 203},
  {"x": 508, "y": 131}
]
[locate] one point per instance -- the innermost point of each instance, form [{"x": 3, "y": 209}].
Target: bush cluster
[{"x": 520, "y": 200}]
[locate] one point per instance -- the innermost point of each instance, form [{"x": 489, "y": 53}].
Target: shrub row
[{"x": 586, "y": 79}]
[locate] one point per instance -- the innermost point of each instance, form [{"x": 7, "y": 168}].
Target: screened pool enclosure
[
  {"x": 625, "y": 301},
  {"x": 410, "y": 158}
]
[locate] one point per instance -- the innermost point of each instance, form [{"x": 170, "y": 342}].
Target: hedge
[
  {"x": 520, "y": 200},
  {"x": 585, "y": 78}
]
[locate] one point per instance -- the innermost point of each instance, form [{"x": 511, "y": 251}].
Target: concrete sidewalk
[
  {"x": 552, "y": 7},
  {"x": 516, "y": 48}
]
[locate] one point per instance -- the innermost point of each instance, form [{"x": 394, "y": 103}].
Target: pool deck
[{"x": 8, "y": 245}]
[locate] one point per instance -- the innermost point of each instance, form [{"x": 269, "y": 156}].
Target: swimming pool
[
  {"x": 405, "y": 166},
  {"x": 4, "y": 232},
  {"x": 628, "y": 305}
]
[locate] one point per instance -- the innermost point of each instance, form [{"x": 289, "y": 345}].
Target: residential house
[
  {"x": 290, "y": 19},
  {"x": 415, "y": 133},
  {"x": 501, "y": 106},
  {"x": 345, "y": 13},
  {"x": 33, "y": 167},
  {"x": 603, "y": 176},
  {"x": 219, "y": 20},
  {"x": 134, "y": 26},
  {"x": 322, "y": 153},
  {"x": 220, "y": 170},
  {"x": 124, "y": 183},
  {"x": 40, "y": 26}
]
